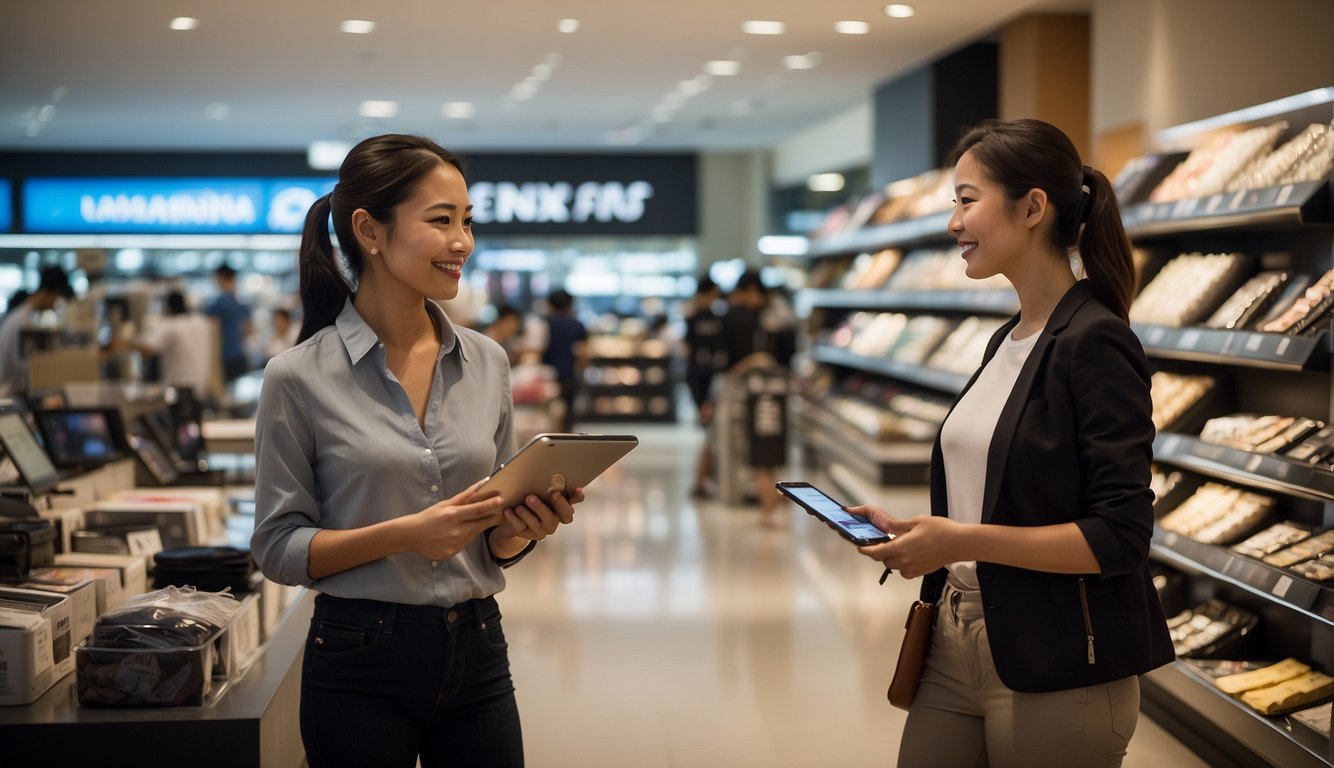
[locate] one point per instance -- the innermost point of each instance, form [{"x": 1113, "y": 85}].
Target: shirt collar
[{"x": 359, "y": 338}]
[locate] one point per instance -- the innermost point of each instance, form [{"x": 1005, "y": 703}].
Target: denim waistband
[{"x": 391, "y": 613}]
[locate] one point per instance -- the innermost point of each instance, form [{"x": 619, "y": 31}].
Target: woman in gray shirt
[{"x": 371, "y": 437}]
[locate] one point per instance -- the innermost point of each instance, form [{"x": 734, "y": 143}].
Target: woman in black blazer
[{"x": 1036, "y": 548}]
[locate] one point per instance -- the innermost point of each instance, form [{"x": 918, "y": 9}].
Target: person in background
[
  {"x": 282, "y": 334},
  {"x": 747, "y": 347},
  {"x": 1036, "y": 549},
  {"x": 505, "y": 331},
  {"x": 372, "y": 436},
  {"x": 174, "y": 340},
  {"x": 52, "y": 288},
  {"x": 703, "y": 353},
  {"x": 566, "y": 351},
  {"x": 233, "y": 316},
  {"x": 16, "y": 300}
]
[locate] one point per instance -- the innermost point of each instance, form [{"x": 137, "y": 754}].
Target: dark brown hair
[
  {"x": 377, "y": 175},
  {"x": 1021, "y": 155}
]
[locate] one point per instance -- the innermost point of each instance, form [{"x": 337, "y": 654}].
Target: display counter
[{"x": 255, "y": 723}]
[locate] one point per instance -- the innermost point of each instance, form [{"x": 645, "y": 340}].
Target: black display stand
[{"x": 254, "y": 723}]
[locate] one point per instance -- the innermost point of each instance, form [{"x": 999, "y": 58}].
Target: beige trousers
[{"x": 964, "y": 716}]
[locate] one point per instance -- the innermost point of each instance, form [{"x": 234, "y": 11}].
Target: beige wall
[
  {"x": 733, "y": 205},
  {"x": 841, "y": 142},
  {"x": 1159, "y": 63},
  {"x": 1044, "y": 73}
]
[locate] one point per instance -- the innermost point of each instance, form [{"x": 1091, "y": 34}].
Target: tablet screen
[{"x": 38, "y": 473}]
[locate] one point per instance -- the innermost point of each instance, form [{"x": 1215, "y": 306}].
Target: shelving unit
[{"x": 652, "y": 398}]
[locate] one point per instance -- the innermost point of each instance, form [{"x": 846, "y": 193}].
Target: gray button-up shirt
[{"x": 337, "y": 446}]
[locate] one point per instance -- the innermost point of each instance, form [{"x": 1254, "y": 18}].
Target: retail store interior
[{"x": 156, "y": 168}]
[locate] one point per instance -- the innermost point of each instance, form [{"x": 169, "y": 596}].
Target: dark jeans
[{"x": 383, "y": 683}]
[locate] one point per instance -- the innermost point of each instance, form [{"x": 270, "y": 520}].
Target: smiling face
[
  {"x": 431, "y": 236},
  {"x": 990, "y": 227}
]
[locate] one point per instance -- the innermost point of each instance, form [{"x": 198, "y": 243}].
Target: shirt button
[
  {"x": 426, "y": 451},
  {"x": 434, "y": 563},
  {"x": 435, "y": 488}
]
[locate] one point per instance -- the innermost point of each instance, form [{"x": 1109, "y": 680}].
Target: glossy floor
[{"x": 661, "y": 631}]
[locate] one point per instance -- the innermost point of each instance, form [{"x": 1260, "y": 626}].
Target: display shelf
[
  {"x": 1281, "y": 207},
  {"x": 1265, "y": 471},
  {"x": 1276, "y": 585},
  {"x": 644, "y": 393},
  {"x": 944, "y": 381},
  {"x": 999, "y": 302},
  {"x": 1226, "y": 725},
  {"x": 895, "y": 463},
  {"x": 1236, "y": 348},
  {"x": 897, "y": 234}
]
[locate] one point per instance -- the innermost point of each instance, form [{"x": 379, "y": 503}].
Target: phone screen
[{"x": 832, "y": 511}]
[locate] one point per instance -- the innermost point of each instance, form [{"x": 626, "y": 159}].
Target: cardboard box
[
  {"x": 66, "y": 522},
  {"x": 179, "y": 523},
  {"x": 56, "y": 609},
  {"x": 27, "y": 669},
  {"x": 82, "y": 594},
  {"x": 133, "y": 569},
  {"x": 110, "y": 593},
  {"x": 211, "y": 499}
]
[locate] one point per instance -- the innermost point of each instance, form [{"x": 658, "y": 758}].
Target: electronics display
[
  {"x": 854, "y": 528},
  {"x": 555, "y": 460},
  {"x": 32, "y": 463},
  {"x": 144, "y": 443},
  {"x": 82, "y": 438}
]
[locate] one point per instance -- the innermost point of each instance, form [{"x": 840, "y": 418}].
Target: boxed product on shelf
[
  {"x": 1314, "y": 449},
  {"x": 1313, "y": 304},
  {"x": 133, "y": 569},
  {"x": 1294, "y": 693},
  {"x": 1188, "y": 289},
  {"x": 1315, "y": 719},
  {"x": 58, "y": 611},
  {"x": 1212, "y": 629},
  {"x": 25, "y": 544},
  {"x": 1255, "y": 297},
  {"x": 1209, "y": 168},
  {"x": 1316, "y": 569},
  {"x": 1261, "y": 677},
  {"x": 1306, "y": 549},
  {"x": 1218, "y": 514},
  {"x": 869, "y": 271},
  {"x": 108, "y": 592},
  {"x": 1272, "y": 539},
  {"x": 1305, "y": 157},
  {"x": 1175, "y": 394},
  {"x": 1259, "y": 433},
  {"x": 180, "y": 522},
  {"x": 82, "y": 594},
  {"x": 26, "y": 650}
]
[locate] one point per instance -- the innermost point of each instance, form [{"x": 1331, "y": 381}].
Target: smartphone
[{"x": 854, "y": 528}]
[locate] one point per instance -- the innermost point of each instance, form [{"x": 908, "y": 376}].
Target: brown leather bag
[{"x": 912, "y": 654}]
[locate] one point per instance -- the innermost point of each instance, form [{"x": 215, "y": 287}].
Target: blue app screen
[{"x": 831, "y": 510}]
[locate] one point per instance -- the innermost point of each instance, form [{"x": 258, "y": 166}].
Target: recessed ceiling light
[
  {"x": 763, "y": 27},
  {"x": 851, "y": 27},
  {"x": 899, "y": 11},
  {"x": 723, "y": 67},
  {"x": 802, "y": 61},
  {"x": 326, "y": 155},
  {"x": 357, "y": 27},
  {"x": 825, "y": 182},
  {"x": 184, "y": 23},
  {"x": 692, "y": 87},
  {"x": 568, "y": 26},
  {"x": 379, "y": 108},
  {"x": 217, "y": 111},
  {"x": 459, "y": 110}
]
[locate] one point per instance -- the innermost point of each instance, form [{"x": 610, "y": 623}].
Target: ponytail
[
  {"x": 1104, "y": 248},
  {"x": 324, "y": 290}
]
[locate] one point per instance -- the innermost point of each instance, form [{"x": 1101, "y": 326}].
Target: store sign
[
  {"x": 175, "y": 206},
  {"x": 583, "y": 194},
  {"x": 6, "y": 206}
]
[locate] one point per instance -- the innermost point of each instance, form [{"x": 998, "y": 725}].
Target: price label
[
  {"x": 1185, "y": 208},
  {"x": 1170, "y": 539},
  {"x": 1282, "y": 586},
  {"x": 1155, "y": 336},
  {"x": 1237, "y": 200},
  {"x": 1164, "y": 211},
  {"x": 1282, "y": 470},
  {"x": 1214, "y": 203},
  {"x": 1254, "y": 462},
  {"x": 1282, "y": 346},
  {"x": 1283, "y": 194},
  {"x": 1253, "y": 342},
  {"x": 1170, "y": 445},
  {"x": 1189, "y": 340}
]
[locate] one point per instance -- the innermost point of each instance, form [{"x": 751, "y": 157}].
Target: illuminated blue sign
[
  {"x": 177, "y": 206},
  {"x": 6, "y": 207}
]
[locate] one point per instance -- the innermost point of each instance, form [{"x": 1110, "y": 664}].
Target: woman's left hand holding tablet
[{"x": 538, "y": 518}]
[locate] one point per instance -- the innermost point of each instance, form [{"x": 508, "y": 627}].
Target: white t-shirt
[
  {"x": 185, "y": 346},
  {"x": 966, "y": 437}
]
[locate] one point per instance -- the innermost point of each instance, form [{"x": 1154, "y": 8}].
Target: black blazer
[{"x": 1073, "y": 444}]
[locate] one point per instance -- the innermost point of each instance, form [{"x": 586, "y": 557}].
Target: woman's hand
[
  {"x": 445, "y": 528},
  {"x": 536, "y": 518},
  {"x": 921, "y": 544}
]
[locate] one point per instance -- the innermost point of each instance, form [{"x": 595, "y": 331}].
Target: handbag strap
[{"x": 933, "y": 586}]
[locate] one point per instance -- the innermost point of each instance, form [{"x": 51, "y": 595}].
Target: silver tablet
[{"x": 562, "y": 461}]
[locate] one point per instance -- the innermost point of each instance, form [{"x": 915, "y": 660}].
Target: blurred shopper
[
  {"x": 506, "y": 330},
  {"x": 566, "y": 351},
  {"x": 704, "y": 359},
  {"x": 1036, "y": 549},
  {"x": 747, "y": 348},
  {"x": 372, "y": 435},
  {"x": 53, "y": 287},
  {"x": 174, "y": 339},
  {"x": 282, "y": 333},
  {"x": 233, "y": 316}
]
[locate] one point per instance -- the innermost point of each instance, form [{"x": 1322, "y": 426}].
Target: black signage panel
[{"x": 584, "y": 194}]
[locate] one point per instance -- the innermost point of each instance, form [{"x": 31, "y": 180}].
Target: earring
[{"x": 375, "y": 251}]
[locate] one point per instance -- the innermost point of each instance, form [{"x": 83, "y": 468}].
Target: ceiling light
[
  {"x": 217, "y": 111},
  {"x": 723, "y": 67},
  {"x": 805, "y": 61},
  {"x": 357, "y": 27},
  {"x": 691, "y": 87},
  {"x": 543, "y": 71},
  {"x": 825, "y": 182},
  {"x": 459, "y": 110},
  {"x": 568, "y": 26},
  {"x": 379, "y": 108},
  {"x": 763, "y": 27},
  {"x": 899, "y": 11},
  {"x": 184, "y": 23},
  {"x": 851, "y": 27}
]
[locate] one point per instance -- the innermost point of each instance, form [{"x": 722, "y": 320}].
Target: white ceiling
[{"x": 99, "y": 74}]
